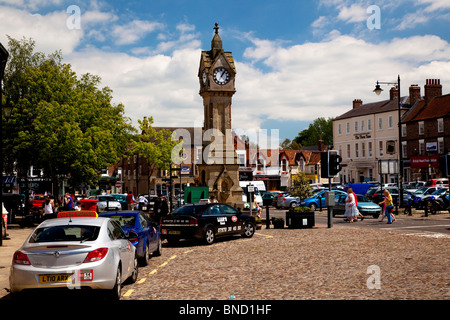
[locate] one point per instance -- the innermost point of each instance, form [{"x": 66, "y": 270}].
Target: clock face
[
  {"x": 221, "y": 76},
  {"x": 204, "y": 77}
]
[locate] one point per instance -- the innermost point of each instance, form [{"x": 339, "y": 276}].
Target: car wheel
[
  {"x": 209, "y": 236},
  {"x": 158, "y": 251},
  {"x": 144, "y": 260},
  {"x": 117, "y": 290},
  {"x": 249, "y": 230},
  {"x": 313, "y": 206},
  {"x": 293, "y": 204}
]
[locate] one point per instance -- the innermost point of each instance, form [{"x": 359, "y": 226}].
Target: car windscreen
[
  {"x": 124, "y": 220},
  {"x": 194, "y": 210},
  {"x": 65, "y": 233},
  {"x": 106, "y": 199}
]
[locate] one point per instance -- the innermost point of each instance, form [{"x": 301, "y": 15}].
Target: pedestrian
[
  {"x": 130, "y": 200},
  {"x": 49, "y": 208},
  {"x": 257, "y": 208},
  {"x": 357, "y": 210},
  {"x": 388, "y": 206},
  {"x": 142, "y": 202},
  {"x": 212, "y": 199},
  {"x": 350, "y": 206},
  {"x": 164, "y": 206},
  {"x": 68, "y": 202}
]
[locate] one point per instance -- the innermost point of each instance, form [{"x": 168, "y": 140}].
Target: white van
[{"x": 259, "y": 186}]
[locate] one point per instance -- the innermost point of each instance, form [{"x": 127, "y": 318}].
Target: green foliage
[
  {"x": 300, "y": 186},
  {"x": 65, "y": 125},
  {"x": 155, "y": 145},
  {"x": 320, "y": 128},
  {"x": 301, "y": 209}
]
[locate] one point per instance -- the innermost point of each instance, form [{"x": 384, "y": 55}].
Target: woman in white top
[{"x": 351, "y": 212}]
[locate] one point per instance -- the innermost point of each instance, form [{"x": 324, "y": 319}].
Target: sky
[{"x": 296, "y": 60}]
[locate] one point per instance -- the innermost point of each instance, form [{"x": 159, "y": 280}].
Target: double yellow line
[{"x": 129, "y": 292}]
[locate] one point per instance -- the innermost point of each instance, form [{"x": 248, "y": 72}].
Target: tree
[
  {"x": 60, "y": 123},
  {"x": 300, "y": 186},
  {"x": 156, "y": 146},
  {"x": 290, "y": 145},
  {"x": 321, "y": 128}
]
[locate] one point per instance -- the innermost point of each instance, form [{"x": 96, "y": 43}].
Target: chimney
[
  {"x": 321, "y": 145},
  {"x": 393, "y": 93},
  {"x": 414, "y": 94},
  {"x": 433, "y": 88},
  {"x": 357, "y": 103}
]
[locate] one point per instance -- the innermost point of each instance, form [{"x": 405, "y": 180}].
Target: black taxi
[{"x": 206, "y": 222}]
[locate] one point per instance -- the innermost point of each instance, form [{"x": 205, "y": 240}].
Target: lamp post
[
  {"x": 3, "y": 58},
  {"x": 378, "y": 91}
]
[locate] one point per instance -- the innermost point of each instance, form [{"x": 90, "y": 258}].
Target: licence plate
[
  {"x": 55, "y": 278},
  {"x": 174, "y": 232}
]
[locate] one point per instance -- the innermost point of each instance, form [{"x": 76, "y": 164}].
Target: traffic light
[
  {"x": 334, "y": 163},
  {"x": 330, "y": 162}
]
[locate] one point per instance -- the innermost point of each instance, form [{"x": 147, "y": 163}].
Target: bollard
[{"x": 267, "y": 218}]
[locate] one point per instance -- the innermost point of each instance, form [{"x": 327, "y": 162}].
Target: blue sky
[{"x": 296, "y": 60}]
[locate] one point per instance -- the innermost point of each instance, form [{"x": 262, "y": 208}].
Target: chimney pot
[
  {"x": 433, "y": 88},
  {"x": 357, "y": 103}
]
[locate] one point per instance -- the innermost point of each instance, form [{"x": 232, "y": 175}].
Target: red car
[{"x": 38, "y": 201}]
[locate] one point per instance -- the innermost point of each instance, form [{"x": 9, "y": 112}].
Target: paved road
[
  {"x": 433, "y": 224},
  {"x": 319, "y": 263}
]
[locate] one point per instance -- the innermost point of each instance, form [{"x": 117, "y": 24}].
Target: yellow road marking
[
  {"x": 172, "y": 257},
  {"x": 189, "y": 251},
  {"x": 162, "y": 265},
  {"x": 128, "y": 293},
  {"x": 153, "y": 272},
  {"x": 141, "y": 281},
  {"x": 264, "y": 235}
]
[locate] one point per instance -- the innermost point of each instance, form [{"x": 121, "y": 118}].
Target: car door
[
  {"x": 122, "y": 246},
  {"x": 234, "y": 224},
  {"x": 148, "y": 231}
]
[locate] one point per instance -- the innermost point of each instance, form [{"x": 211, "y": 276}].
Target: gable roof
[
  {"x": 374, "y": 107},
  {"x": 439, "y": 107}
]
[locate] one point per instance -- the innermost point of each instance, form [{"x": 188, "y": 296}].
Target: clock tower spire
[{"x": 219, "y": 169}]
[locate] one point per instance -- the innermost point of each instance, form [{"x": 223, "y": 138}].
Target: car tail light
[
  {"x": 284, "y": 199},
  {"x": 21, "y": 258},
  {"x": 193, "y": 222},
  {"x": 96, "y": 255}
]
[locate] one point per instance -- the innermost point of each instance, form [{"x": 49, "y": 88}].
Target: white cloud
[
  {"x": 133, "y": 31},
  {"x": 354, "y": 13},
  {"x": 49, "y": 31}
]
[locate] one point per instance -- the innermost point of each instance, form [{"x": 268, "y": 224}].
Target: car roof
[
  {"x": 98, "y": 221},
  {"x": 124, "y": 213}
]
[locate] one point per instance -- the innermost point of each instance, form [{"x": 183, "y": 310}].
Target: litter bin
[
  {"x": 89, "y": 204},
  {"x": 300, "y": 220}
]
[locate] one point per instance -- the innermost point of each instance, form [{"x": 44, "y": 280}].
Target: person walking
[
  {"x": 68, "y": 202},
  {"x": 130, "y": 200},
  {"x": 356, "y": 206},
  {"x": 388, "y": 206},
  {"x": 49, "y": 207},
  {"x": 350, "y": 206}
]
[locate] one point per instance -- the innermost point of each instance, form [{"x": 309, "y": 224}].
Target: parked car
[
  {"x": 378, "y": 196},
  {"x": 106, "y": 203},
  {"x": 413, "y": 186},
  {"x": 365, "y": 206},
  {"x": 75, "y": 252},
  {"x": 206, "y": 222},
  {"x": 148, "y": 241},
  {"x": 122, "y": 198},
  {"x": 441, "y": 182},
  {"x": 419, "y": 195},
  {"x": 318, "y": 199},
  {"x": 37, "y": 202}
]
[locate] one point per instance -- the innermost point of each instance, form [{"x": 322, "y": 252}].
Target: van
[
  {"x": 442, "y": 182},
  {"x": 259, "y": 186}
]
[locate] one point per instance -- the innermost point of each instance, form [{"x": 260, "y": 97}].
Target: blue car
[
  {"x": 148, "y": 236},
  {"x": 319, "y": 197}
]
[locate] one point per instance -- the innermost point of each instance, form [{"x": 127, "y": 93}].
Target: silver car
[
  {"x": 107, "y": 203},
  {"x": 75, "y": 252}
]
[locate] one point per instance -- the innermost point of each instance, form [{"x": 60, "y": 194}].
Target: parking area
[{"x": 343, "y": 262}]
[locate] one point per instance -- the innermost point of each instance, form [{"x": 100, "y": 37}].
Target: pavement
[{"x": 422, "y": 261}]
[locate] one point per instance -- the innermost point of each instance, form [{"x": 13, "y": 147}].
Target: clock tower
[{"x": 219, "y": 169}]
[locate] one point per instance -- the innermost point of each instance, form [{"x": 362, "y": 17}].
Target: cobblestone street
[{"x": 286, "y": 264}]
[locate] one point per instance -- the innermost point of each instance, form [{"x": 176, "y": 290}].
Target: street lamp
[{"x": 378, "y": 91}]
